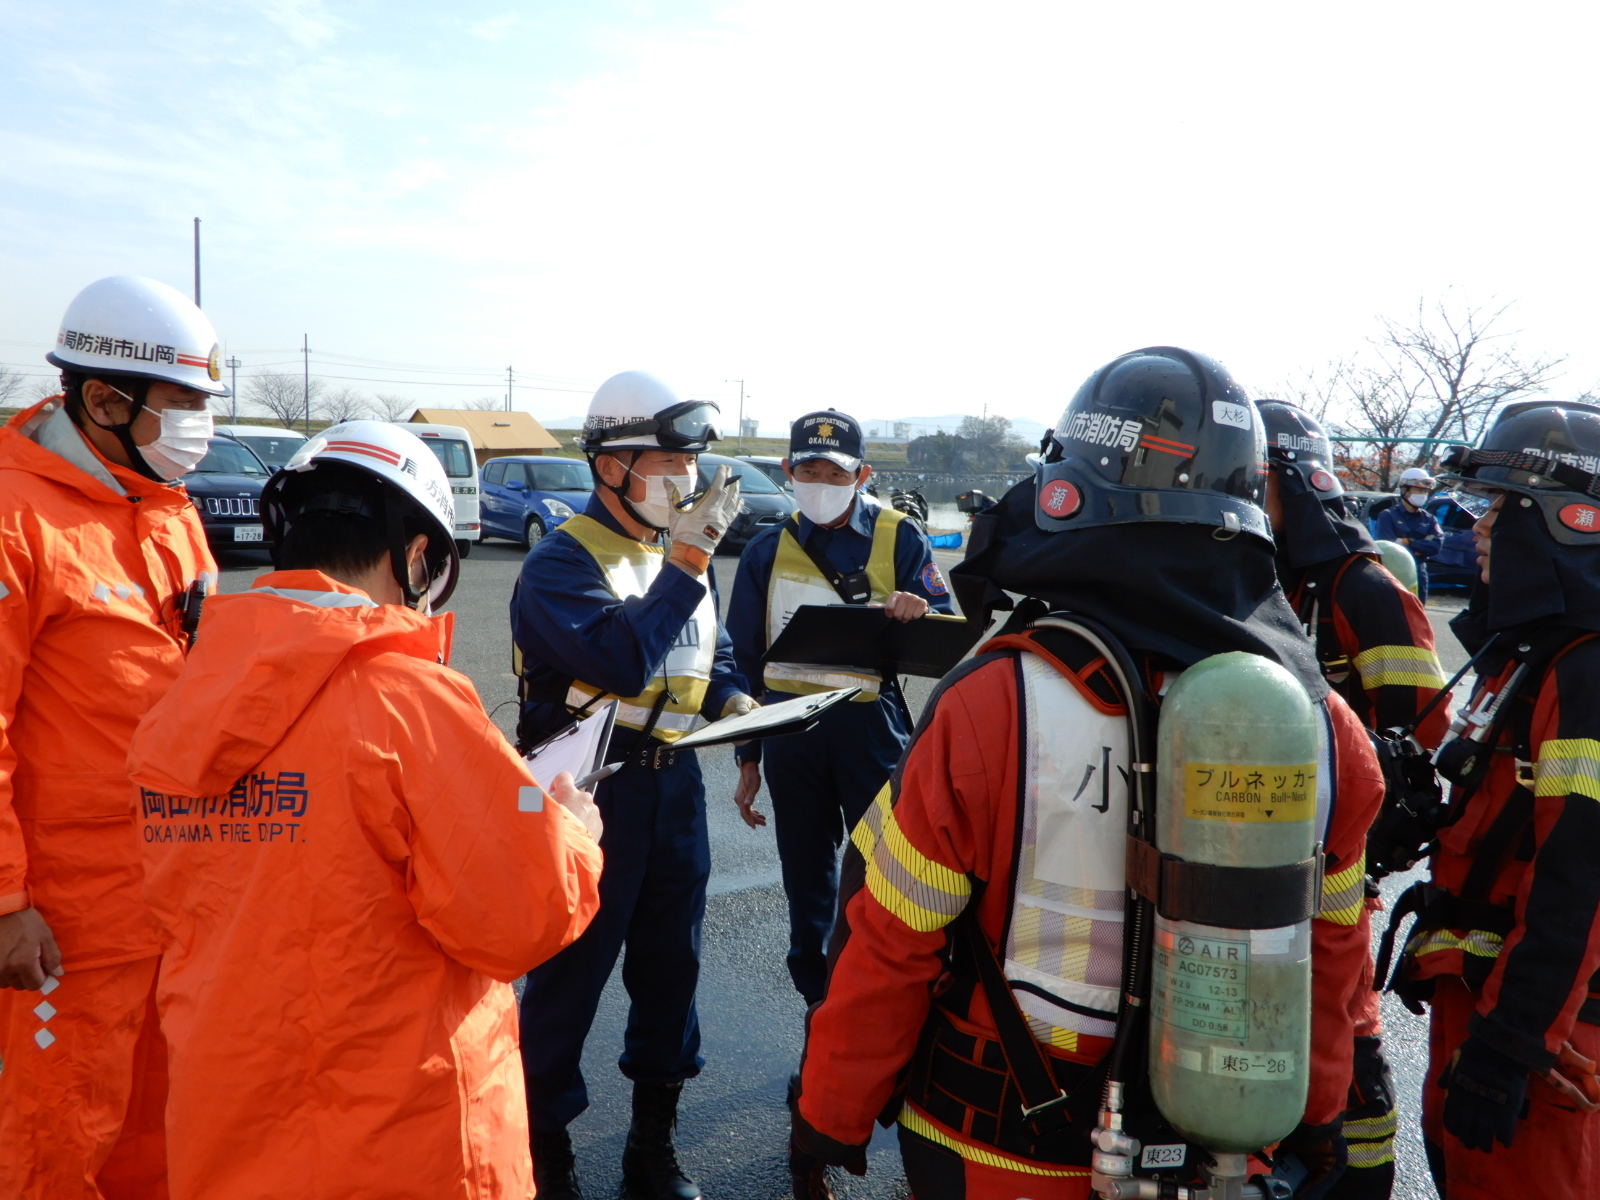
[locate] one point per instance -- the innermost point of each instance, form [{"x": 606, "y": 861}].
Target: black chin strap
[
  {"x": 124, "y": 433},
  {"x": 620, "y": 491},
  {"x": 395, "y": 521}
]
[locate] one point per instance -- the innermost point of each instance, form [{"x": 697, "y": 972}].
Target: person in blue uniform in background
[
  {"x": 604, "y": 610},
  {"x": 842, "y": 547},
  {"x": 1411, "y": 525}
]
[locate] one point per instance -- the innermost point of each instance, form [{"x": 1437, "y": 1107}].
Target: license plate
[{"x": 247, "y": 533}]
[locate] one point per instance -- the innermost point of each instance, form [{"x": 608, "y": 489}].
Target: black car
[
  {"x": 763, "y": 503},
  {"x": 226, "y": 489}
]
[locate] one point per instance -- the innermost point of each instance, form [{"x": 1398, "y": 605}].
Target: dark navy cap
[{"x": 827, "y": 434}]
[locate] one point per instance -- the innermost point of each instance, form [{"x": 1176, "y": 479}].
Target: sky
[{"x": 890, "y": 208}]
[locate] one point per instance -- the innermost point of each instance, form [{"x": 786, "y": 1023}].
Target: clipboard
[
  {"x": 858, "y": 635},
  {"x": 580, "y": 747},
  {"x": 770, "y": 720}
]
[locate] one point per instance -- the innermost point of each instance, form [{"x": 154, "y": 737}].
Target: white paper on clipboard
[{"x": 579, "y": 748}]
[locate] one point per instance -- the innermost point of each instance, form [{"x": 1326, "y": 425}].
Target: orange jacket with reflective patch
[
  {"x": 89, "y": 640},
  {"x": 352, "y": 864}
]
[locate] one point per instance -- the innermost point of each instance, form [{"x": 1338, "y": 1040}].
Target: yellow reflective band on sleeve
[
  {"x": 1568, "y": 766},
  {"x": 920, "y": 1125},
  {"x": 1371, "y": 1142},
  {"x": 924, "y": 894},
  {"x": 1344, "y": 894},
  {"x": 1399, "y": 666},
  {"x": 1478, "y": 941}
]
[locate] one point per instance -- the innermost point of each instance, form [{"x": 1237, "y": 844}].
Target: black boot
[
  {"x": 650, "y": 1167},
  {"x": 555, "y": 1170}
]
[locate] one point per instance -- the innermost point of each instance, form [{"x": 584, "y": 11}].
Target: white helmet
[
  {"x": 128, "y": 325},
  {"x": 1416, "y": 477},
  {"x": 636, "y": 411},
  {"x": 393, "y": 456}
]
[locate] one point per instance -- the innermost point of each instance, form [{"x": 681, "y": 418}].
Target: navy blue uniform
[
  {"x": 569, "y": 624},
  {"x": 822, "y": 781},
  {"x": 1396, "y": 522}
]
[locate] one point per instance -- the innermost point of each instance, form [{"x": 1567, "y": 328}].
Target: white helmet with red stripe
[
  {"x": 416, "y": 481},
  {"x": 128, "y": 325}
]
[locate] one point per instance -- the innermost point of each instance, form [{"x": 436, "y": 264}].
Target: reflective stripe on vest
[
  {"x": 796, "y": 581},
  {"x": 630, "y": 568},
  {"x": 1064, "y": 947}
]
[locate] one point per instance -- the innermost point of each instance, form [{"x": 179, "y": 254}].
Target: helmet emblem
[
  {"x": 1060, "y": 499},
  {"x": 1322, "y": 481},
  {"x": 1585, "y": 518},
  {"x": 214, "y": 364}
]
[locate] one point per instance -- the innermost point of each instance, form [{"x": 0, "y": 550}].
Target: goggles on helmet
[
  {"x": 690, "y": 425},
  {"x": 1515, "y": 471}
]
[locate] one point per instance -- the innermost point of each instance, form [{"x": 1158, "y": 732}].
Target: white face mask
[
  {"x": 823, "y": 503},
  {"x": 656, "y": 507},
  {"x": 185, "y": 438},
  {"x": 1416, "y": 498}
]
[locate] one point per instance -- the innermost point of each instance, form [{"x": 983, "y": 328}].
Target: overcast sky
[{"x": 890, "y": 208}]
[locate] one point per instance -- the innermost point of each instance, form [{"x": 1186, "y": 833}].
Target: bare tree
[
  {"x": 1321, "y": 390},
  {"x": 12, "y": 385},
  {"x": 282, "y": 394},
  {"x": 341, "y": 404},
  {"x": 487, "y": 404},
  {"x": 386, "y": 406},
  {"x": 1459, "y": 369}
]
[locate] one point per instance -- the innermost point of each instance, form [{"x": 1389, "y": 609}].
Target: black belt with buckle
[{"x": 653, "y": 755}]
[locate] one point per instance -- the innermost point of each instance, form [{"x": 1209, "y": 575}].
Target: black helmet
[
  {"x": 1547, "y": 451},
  {"x": 1160, "y": 434},
  {"x": 1316, "y": 526},
  {"x": 1299, "y": 450}
]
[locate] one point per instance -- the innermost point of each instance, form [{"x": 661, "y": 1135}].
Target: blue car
[
  {"x": 1456, "y": 564},
  {"x": 524, "y": 498}
]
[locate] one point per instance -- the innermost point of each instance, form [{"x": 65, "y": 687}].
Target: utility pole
[
  {"x": 509, "y": 380},
  {"x": 233, "y": 365},
  {"x": 305, "y": 349},
  {"x": 740, "y": 382},
  {"x": 197, "y": 262}
]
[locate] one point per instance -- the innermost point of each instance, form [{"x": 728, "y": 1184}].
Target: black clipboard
[
  {"x": 858, "y": 635},
  {"x": 770, "y": 720}
]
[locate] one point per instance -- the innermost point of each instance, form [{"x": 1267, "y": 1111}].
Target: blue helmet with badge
[{"x": 1159, "y": 434}]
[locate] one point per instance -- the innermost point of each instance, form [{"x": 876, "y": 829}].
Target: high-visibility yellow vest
[
  {"x": 796, "y": 581},
  {"x": 630, "y": 568}
]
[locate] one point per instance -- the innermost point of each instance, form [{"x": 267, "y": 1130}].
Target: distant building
[
  {"x": 902, "y": 431},
  {"x": 494, "y": 434},
  {"x": 749, "y": 427}
]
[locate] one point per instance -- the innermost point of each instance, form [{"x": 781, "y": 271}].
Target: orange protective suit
[
  {"x": 352, "y": 864},
  {"x": 93, "y": 559}
]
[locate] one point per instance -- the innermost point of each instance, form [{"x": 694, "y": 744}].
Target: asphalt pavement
[{"x": 733, "y": 1124}]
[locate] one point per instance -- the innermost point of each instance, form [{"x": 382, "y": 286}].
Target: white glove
[
  {"x": 704, "y": 523},
  {"x": 738, "y": 704}
]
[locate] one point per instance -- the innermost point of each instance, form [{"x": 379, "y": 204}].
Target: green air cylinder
[
  {"x": 1231, "y": 1008},
  {"x": 1398, "y": 562}
]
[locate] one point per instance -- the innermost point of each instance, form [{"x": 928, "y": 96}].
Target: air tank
[
  {"x": 1231, "y": 1008},
  {"x": 1398, "y": 562}
]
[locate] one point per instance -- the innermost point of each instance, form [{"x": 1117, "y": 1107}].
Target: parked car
[
  {"x": 772, "y": 468},
  {"x": 226, "y": 490},
  {"x": 452, "y": 446},
  {"x": 1456, "y": 564},
  {"x": 526, "y": 496},
  {"x": 764, "y": 502},
  {"x": 272, "y": 445},
  {"x": 1365, "y": 505}
]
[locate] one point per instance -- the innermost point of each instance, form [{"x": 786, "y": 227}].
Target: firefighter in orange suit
[
  {"x": 1506, "y": 947},
  {"x": 350, "y": 862},
  {"x": 1376, "y": 648},
  {"x": 1144, "y": 518},
  {"x": 103, "y": 563}
]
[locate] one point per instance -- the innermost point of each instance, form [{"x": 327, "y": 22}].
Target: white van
[
  {"x": 272, "y": 445},
  {"x": 452, "y": 445}
]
